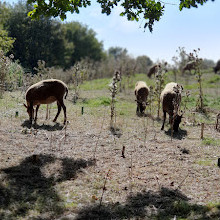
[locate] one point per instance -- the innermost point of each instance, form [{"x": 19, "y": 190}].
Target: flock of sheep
[
  {"x": 51, "y": 90},
  {"x": 170, "y": 99}
]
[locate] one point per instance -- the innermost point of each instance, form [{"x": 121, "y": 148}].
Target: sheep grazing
[
  {"x": 170, "y": 99},
  {"x": 153, "y": 70},
  {"x": 189, "y": 66},
  {"x": 217, "y": 67},
  {"x": 46, "y": 92},
  {"x": 141, "y": 92}
]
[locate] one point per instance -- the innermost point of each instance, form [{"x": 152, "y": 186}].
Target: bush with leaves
[
  {"x": 11, "y": 74},
  {"x": 193, "y": 57}
]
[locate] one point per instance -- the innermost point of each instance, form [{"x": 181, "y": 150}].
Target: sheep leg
[
  {"x": 36, "y": 112},
  {"x": 59, "y": 109},
  {"x": 138, "y": 109},
  {"x": 164, "y": 119},
  {"x": 64, "y": 110},
  {"x": 47, "y": 112},
  {"x": 31, "y": 112}
]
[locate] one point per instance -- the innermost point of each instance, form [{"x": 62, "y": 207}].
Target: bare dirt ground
[{"x": 78, "y": 171}]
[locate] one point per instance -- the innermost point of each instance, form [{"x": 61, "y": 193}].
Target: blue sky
[{"x": 191, "y": 28}]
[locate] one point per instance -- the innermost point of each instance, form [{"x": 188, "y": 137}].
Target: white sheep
[
  {"x": 141, "y": 92},
  {"x": 46, "y": 92},
  {"x": 171, "y": 99}
]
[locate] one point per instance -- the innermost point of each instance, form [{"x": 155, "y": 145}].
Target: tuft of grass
[
  {"x": 211, "y": 141},
  {"x": 126, "y": 108},
  {"x": 204, "y": 162},
  {"x": 213, "y": 79},
  {"x": 97, "y": 102},
  {"x": 70, "y": 205}
]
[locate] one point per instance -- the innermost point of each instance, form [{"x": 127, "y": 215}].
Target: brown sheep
[
  {"x": 141, "y": 92},
  {"x": 153, "y": 70},
  {"x": 46, "y": 92},
  {"x": 189, "y": 66},
  {"x": 170, "y": 99},
  {"x": 217, "y": 67}
]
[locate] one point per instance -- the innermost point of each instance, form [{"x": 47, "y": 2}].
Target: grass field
[{"x": 48, "y": 171}]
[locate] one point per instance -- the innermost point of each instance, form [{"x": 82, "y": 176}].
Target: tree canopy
[
  {"x": 58, "y": 44},
  {"x": 6, "y": 42},
  {"x": 149, "y": 10}
]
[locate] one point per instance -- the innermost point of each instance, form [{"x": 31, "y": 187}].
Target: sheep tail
[{"x": 66, "y": 93}]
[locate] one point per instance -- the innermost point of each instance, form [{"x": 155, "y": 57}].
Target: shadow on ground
[
  {"x": 24, "y": 188},
  {"x": 177, "y": 135},
  {"x": 55, "y": 127},
  {"x": 164, "y": 205}
]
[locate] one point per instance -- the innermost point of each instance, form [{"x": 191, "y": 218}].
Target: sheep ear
[{"x": 25, "y": 106}]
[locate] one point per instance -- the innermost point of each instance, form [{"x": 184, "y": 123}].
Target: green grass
[
  {"x": 126, "y": 108},
  {"x": 97, "y": 102},
  {"x": 211, "y": 141},
  {"x": 101, "y": 84},
  {"x": 213, "y": 79},
  {"x": 96, "y": 84},
  {"x": 204, "y": 162}
]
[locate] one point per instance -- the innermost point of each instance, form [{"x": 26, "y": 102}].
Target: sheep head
[{"x": 142, "y": 105}]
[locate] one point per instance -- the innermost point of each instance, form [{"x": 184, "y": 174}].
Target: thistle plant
[
  {"x": 186, "y": 96},
  {"x": 151, "y": 94},
  {"x": 114, "y": 90},
  {"x": 159, "y": 85},
  {"x": 79, "y": 72},
  {"x": 198, "y": 73}
]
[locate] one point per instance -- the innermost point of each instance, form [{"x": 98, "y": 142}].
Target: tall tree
[
  {"x": 143, "y": 64},
  {"x": 80, "y": 42},
  {"x": 117, "y": 52},
  {"x": 35, "y": 40},
  {"x": 6, "y": 42},
  {"x": 149, "y": 10}
]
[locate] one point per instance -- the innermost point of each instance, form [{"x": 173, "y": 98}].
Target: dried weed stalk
[
  {"x": 104, "y": 188},
  {"x": 114, "y": 90},
  {"x": 217, "y": 123},
  {"x": 194, "y": 59},
  {"x": 202, "y": 130},
  {"x": 159, "y": 85},
  {"x": 198, "y": 61},
  {"x": 79, "y": 75},
  {"x": 150, "y": 100},
  {"x": 145, "y": 130},
  {"x": 99, "y": 135},
  {"x": 131, "y": 172}
]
